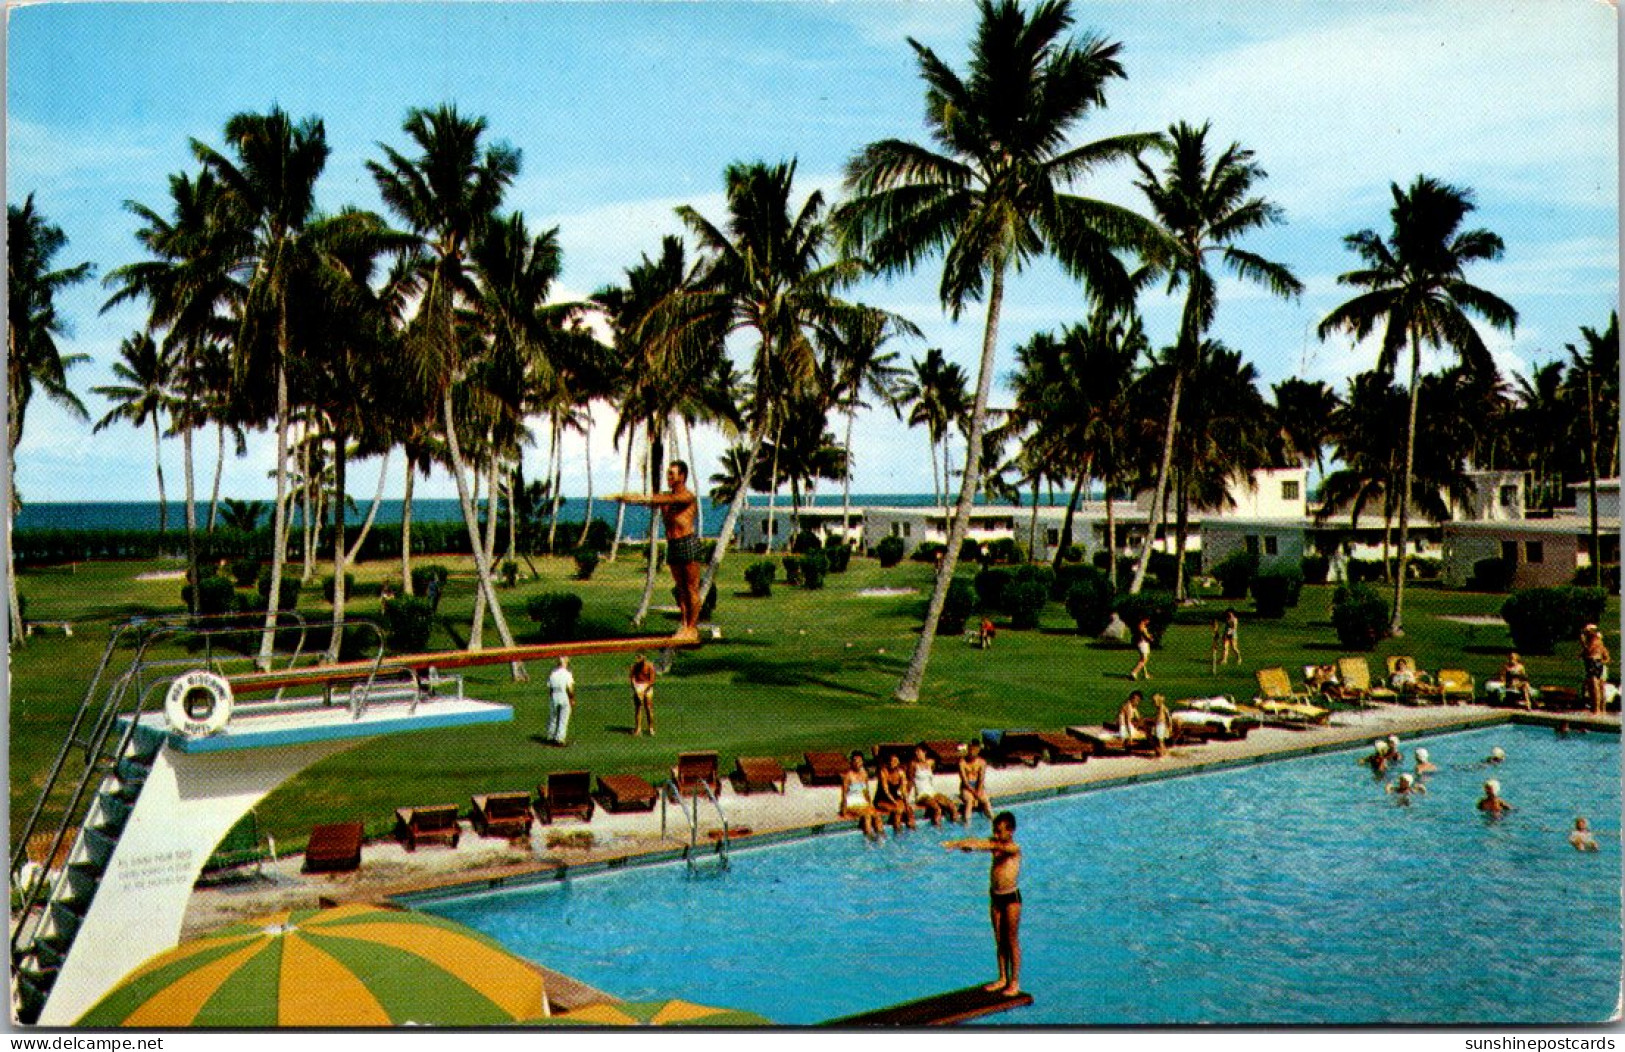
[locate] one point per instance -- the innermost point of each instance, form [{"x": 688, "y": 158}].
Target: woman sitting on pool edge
[
  {"x": 891, "y": 793},
  {"x": 855, "y": 799},
  {"x": 923, "y": 781}
]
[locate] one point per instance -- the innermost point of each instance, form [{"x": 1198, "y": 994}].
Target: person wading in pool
[
  {"x": 1004, "y": 898},
  {"x": 678, "y": 509}
]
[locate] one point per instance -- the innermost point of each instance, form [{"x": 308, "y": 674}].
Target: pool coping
[{"x": 559, "y": 871}]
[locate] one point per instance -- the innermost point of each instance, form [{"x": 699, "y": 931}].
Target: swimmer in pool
[
  {"x": 1406, "y": 787},
  {"x": 1497, "y": 755},
  {"x": 1582, "y": 839},
  {"x": 1004, "y": 898},
  {"x": 1423, "y": 764},
  {"x": 1491, "y": 803}
]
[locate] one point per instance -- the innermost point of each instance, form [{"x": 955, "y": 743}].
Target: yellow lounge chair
[
  {"x": 1355, "y": 675},
  {"x": 1278, "y": 701},
  {"x": 1457, "y": 686}
]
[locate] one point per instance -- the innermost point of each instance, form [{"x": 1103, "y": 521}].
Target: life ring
[{"x": 198, "y": 703}]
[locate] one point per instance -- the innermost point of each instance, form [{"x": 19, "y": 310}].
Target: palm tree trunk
[
  {"x": 1397, "y": 626},
  {"x": 340, "y": 459},
  {"x": 1111, "y": 538},
  {"x": 1032, "y": 526},
  {"x": 1161, "y": 490},
  {"x": 482, "y": 565},
  {"x": 656, "y": 455},
  {"x": 158, "y": 459},
  {"x": 372, "y": 512},
  {"x": 406, "y": 527},
  {"x": 556, "y": 469},
  {"x": 1066, "y": 523},
  {"x": 310, "y": 512},
  {"x": 699, "y": 501},
  {"x": 219, "y": 468},
  {"x": 192, "y": 573},
  {"x": 730, "y": 521},
  {"x": 1181, "y": 523},
  {"x": 493, "y": 494},
  {"x": 620, "y": 506},
  {"x": 908, "y": 689},
  {"x": 13, "y": 604},
  {"x": 846, "y": 478},
  {"x": 512, "y": 491},
  {"x": 586, "y": 516},
  {"x": 280, "y": 512},
  {"x": 1591, "y": 472},
  {"x": 772, "y": 488}
]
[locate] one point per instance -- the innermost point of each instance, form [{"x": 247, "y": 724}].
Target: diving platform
[{"x": 955, "y": 1006}]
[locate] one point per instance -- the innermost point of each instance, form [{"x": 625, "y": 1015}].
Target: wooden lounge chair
[
  {"x": 503, "y": 815},
  {"x": 1355, "y": 675},
  {"x": 626, "y": 792},
  {"x": 1456, "y": 686},
  {"x": 1012, "y": 747},
  {"x": 1197, "y": 726},
  {"x": 1047, "y": 746},
  {"x": 823, "y": 768},
  {"x": 1105, "y": 741},
  {"x": 1560, "y": 699},
  {"x": 415, "y": 826},
  {"x": 334, "y": 848},
  {"x": 945, "y": 754},
  {"x": 752, "y": 773},
  {"x": 566, "y": 794},
  {"x": 695, "y": 769},
  {"x": 902, "y": 750}
]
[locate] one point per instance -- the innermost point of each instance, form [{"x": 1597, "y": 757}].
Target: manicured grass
[{"x": 799, "y": 670}]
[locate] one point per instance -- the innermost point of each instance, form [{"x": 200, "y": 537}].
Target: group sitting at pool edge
[{"x": 899, "y": 791}]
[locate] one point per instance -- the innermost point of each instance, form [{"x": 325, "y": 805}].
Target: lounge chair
[
  {"x": 752, "y": 773},
  {"x": 626, "y": 792},
  {"x": 1279, "y": 704},
  {"x": 1045, "y": 746},
  {"x": 1456, "y": 686},
  {"x": 334, "y": 848},
  {"x": 416, "y": 826},
  {"x": 695, "y": 769},
  {"x": 1105, "y": 741},
  {"x": 565, "y": 794},
  {"x": 945, "y": 754},
  {"x": 503, "y": 815},
  {"x": 1355, "y": 675},
  {"x": 1212, "y": 717},
  {"x": 1020, "y": 745},
  {"x": 823, "y": 768}
]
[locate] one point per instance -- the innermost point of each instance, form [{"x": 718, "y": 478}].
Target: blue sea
[{"x": 143, "y": 515}]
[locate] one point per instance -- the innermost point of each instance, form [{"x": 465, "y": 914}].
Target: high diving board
[
  {"x": 256, "y": 682},
  {"x": 955, "y": 1006}
]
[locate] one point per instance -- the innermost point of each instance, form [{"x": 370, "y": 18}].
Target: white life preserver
[{"x": 198, "y": 703}]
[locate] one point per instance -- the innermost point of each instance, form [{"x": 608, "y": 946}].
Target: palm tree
[
  {"x": 993, "y": 198},
  {"x": 447, "y": 195},
  {"x": 1303, "y": 414},
  {"x": 241, "y": 515},
  {"x": 1594, "y": 374},
  {"x": 32, "y": 356},
  {"x": 1205, "y": 208},
  {"x": 938, "y": 393},
  {"x": 1412, "y": 285},
  {"x": 856, "y": 365},
  {"x": 269, "y": 195},
  {"x": 145, "y": 395}
]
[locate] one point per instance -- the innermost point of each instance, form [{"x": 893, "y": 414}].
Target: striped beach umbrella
[
  {"x": 655, "y": 1013},
  {"x": 348, "y": 966}
]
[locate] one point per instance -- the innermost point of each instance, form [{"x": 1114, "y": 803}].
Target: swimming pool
[{"x": 1292, "y": 892}]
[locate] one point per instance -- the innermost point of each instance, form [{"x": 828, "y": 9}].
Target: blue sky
[{"x": 624, "y": 111}]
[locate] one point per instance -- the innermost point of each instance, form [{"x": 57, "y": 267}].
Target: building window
[
  {"x": 1252, "y": 544},
  {"x": 1289, "y": 489},
  {"x": 1270, "y": 545},
  {"x": 1052, "y": 536},
  {"x": 1534, "y": 551},
  {"x": 1509, "y": 552},
  {"x": 1509, "y": 497}
]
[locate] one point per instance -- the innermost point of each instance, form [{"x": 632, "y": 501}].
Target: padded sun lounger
[
  {"x": 416, "y": 826},
  {"x": 334, "y": 848},
  {"x": 823, "y": 768},
  {"x": 565, "y": 794},
  {"x": 1208, "y": 725},
  {"x": 503, "y": 815},
  {"x": 945, "y": 754},
  {"x": 1047, "y": 746},
  {"x": 752, "y": 773},
  {"x": 1355, "y": 675},
  {"x": 695, "y": 769},
  {"x": 1106, "y": 742},
  {"x": 1456, "y": 686},
  {"x": 626, "y": 792}
]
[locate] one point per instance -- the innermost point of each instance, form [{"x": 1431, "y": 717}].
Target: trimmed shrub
[
  {"x": 839, "y": 556},
  {"x": 1025, "y": 601},
  {"x": 287, "y": 595},
  {"x": 1610, "y": 577},
  {"x": 328, "y": 590},
  {"x": 1359, "y": 615},
  {"x": 1073, "y": 553},
  {"x": 990, "y": 587},
  {"x": 970, "y": 550},
  {"x": 792, "y": 570},
  {"x": 804, "y": 542},
  {"x": 586, "y": 563},
  {"x": 1276, "y": 589},
  {"x": 1158, "y": 607},
  {"x": 814, "y": 568},
  {"x": 1006, "y": 550},
  {"x": 1040, "y": 573},
  {"x": 927, "y": 552},
  {"x": 509, "y": 570},
  {"x": 1490, "y": 575},
  {"x": 1315, "y": 568},
  {"x": 759, "y": 577},
  {"x": 216, "y": 595},
  {"x": 407, "y": 624},
  {"x": 1362, "y": 571},
  {"x": 889, "y": 551},
  {"x": 956, "y": 607},
  {"x": 555, "y": 614},
  {"x": 1089, "y": 600},
  {"x": 1235, "y": 574},
  {"x": 246, "y": 572},
  {"x": 1540, "y": 618},
  {"x": 422, "y": 575},
  {"x": 1069, "y": 574}
]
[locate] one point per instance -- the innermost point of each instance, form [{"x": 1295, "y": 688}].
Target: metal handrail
[{"x": 669, "y": 791}]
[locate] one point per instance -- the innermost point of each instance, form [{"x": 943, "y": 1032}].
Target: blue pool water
[{"x": 1293, "y": 892}]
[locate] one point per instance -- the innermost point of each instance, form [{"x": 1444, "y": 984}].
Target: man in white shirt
[{"x": 561, "y": 685}]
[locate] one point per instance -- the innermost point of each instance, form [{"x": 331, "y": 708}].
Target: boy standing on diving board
[
  {"x": 678, "y": 509},
  {"x": 1004, "y": 898}
]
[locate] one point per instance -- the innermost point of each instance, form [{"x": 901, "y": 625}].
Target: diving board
[
  {"x": 276, "y": 679},
  {"x": 955, "y": 1006}
]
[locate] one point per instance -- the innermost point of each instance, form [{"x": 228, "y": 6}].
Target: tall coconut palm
[
  {"x": 991, "y": 197},
  {"x": 1303, "y": 412},
  {"x": 32, "y": 356},
  {"x": 1412, "y": 286},
  {"x": 269, "y": 195},
  {"x": 1593, "y": 383},
  {"x": 857, "y": 365},
  {"x": 1205, "y": 206},
  {"x": 447, "y": 195},
  {"x": 147, "y": 392},
  {"x": 937, "y": 393}
]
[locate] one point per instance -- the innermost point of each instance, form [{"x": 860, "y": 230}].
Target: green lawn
[{"x": 796, "y": 671}]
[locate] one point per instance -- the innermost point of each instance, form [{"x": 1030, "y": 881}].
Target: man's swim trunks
[{"x": 680, "y": 551}]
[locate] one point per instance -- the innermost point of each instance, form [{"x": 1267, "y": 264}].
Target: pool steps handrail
[{"x": 670, "y": 792}]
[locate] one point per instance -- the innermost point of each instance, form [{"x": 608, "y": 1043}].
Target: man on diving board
[{"x": 678, "y": 509}]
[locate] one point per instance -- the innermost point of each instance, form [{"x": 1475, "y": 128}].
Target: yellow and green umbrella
[
  {"x": 348, "y": 966},
  {"x": 655, "y": 1013}
]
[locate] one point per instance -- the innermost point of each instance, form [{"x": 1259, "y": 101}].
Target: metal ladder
[{"x": 668, "y": 793}]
